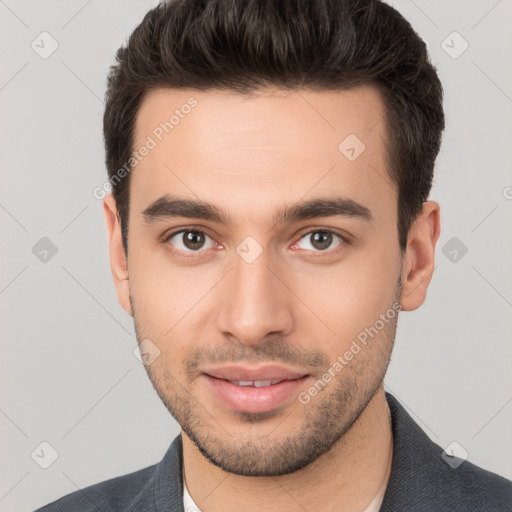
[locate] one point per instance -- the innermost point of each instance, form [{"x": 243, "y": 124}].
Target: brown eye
[
  {"x": 320, "y": 240},
  {"x": 190, "y": 240},
  {"x": 193, "y": 240}
]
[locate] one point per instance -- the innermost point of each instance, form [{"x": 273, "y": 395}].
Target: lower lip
[{"x": 252, "y": 399}]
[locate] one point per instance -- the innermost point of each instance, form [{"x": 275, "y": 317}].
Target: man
[{"x": 270, "y": 164}]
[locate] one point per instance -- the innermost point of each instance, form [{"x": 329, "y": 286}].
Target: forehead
[{"x": 257, "y": 151}]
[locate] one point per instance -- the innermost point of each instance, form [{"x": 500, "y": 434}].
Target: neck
[{"x": 346, "y": 478}]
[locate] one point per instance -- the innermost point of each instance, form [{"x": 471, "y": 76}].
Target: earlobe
[
  {"x": 118, "y": 261},
  {"x": 419, "y": 259}
]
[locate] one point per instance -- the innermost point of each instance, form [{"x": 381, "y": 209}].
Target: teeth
[
  {"x": 262, "y": 383},
  {"x": 244, "y": 382},
  {"x": 255, "y": 383}
]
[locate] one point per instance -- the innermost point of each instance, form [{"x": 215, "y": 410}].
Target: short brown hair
[{"x": 246, "y": 45}]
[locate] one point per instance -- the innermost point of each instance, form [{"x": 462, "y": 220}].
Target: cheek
[
  {"x": 157, "y": 294},
  {"x": 161, "y": 305},
  {"x": 169, "y": 300},
  {"x": 344, "y": 300}
]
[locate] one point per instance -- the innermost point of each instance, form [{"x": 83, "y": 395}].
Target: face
[{"x": 263, "y": 264}]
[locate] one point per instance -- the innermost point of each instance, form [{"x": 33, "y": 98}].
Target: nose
[{"x": 255, "y": 302}]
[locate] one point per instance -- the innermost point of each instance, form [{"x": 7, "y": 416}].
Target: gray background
[{"x": 68, "y": 373}]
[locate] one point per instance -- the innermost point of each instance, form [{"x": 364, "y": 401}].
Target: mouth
[
  {"x": 254, "y": 389},
  {"x": 255, "y": 383}
]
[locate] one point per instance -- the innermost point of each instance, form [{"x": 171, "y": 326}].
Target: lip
[
  {"x": 267, "y": 372},
  {"x": 254, "y": 399}
]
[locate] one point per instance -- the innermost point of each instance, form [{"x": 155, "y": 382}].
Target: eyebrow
[{"x": 169, "y": 206}]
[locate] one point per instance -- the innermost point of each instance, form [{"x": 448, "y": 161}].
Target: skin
[{"x": 296, "y": 304}]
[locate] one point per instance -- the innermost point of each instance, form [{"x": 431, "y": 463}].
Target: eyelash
[{"x": 344, "y": 240}]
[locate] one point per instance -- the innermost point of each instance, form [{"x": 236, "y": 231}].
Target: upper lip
[{"x": 245, "y": 373}]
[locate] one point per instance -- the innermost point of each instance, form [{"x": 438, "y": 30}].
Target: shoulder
[
  {"x": 115, "y": 494},
  {"x": 157, "y": 485},
  {"x": 424, "y": 479},
  {"x": 481, "y": 489},
  {"x": 465, "y": 487}
]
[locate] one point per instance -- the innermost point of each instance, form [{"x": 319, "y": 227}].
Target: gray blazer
[{"x": 421, "y": 481}]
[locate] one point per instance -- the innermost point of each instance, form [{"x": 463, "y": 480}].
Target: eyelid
[
  {"x": 172, "y": 233},
  {"x": 315, "y": 229},
  {"x": 345, "y": 239}
]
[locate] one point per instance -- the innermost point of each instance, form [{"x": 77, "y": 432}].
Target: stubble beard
[{"x": 315, "y": 427}]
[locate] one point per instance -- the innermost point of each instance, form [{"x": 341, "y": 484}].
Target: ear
[
  {"x": 118, "y": 261},
  {"x": 419, "y": 258}
]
